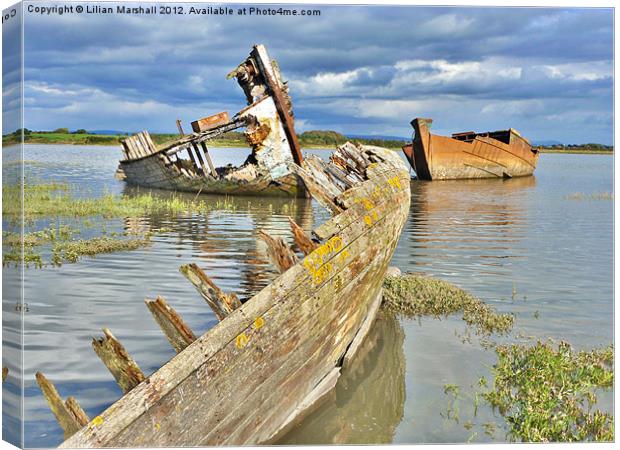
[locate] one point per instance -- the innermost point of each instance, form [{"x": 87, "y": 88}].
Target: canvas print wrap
[{"x": 301, "y": 224}]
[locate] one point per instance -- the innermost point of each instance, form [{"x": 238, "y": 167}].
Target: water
[{"x": 521, "y": 245}]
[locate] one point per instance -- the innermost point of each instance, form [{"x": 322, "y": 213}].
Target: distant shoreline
[{"x": 51, "y": 138}]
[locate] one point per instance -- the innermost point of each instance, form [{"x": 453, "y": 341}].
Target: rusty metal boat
[
  {"x": 494, "y": 154},
  {"x": 271, "y": 357},
  {"x": 186, "y": 165}
]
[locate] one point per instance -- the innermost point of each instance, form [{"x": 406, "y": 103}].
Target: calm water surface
[{"x": 521, "y": 245}]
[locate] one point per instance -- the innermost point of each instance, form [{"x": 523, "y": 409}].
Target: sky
[{"x": 365, "y": 70}]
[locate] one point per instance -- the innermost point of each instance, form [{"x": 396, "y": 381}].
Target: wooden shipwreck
[
  {"x": 494, "y": 154},
  {"x": 276, "y": 354},
  {"x": 185, "y": 164}
]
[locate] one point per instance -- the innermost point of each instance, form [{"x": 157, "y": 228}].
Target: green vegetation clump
[
  {"x": 414, "y": 295},
  {"x": 58, "y": 200},
  {"x": 72, "y": 251},
  {"x": 547, "y": 394}
]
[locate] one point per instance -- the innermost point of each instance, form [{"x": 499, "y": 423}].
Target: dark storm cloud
[{"x": 354, "y": 69}]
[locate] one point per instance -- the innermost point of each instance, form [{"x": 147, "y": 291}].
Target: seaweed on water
[{"x": 414, "y": 295}]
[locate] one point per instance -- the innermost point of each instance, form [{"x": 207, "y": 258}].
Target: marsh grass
[
  {"x": 581, "y": 196},
  {"x": 73, "y": 251},
  {"x": 547, "y": 393},
  {"x": 413, "y": 295},
  {"x": 60, "y": 200}
]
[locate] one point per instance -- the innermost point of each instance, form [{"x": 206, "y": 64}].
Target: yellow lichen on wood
[
  {"x": 221, "y": 303},
  {"x": 68, "y": 422},
  {"x": 124, "y": 369},
  {"x": 171, "y": 323}
]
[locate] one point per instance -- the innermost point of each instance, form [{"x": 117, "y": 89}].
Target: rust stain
[{"x": 493, "y": 154}]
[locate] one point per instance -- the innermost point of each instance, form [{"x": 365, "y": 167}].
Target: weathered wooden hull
[
  {"x": 157, "y": 171},
  {"x": 270, "y": 359},
  {"x": 185, "y": 164},
  {"x": 435, "y": 157}
]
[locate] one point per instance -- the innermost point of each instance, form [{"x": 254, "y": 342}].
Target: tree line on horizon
[{"x": 313, "y": 138}]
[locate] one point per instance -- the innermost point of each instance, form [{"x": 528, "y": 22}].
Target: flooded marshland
[{"x": 539, "y": 247}]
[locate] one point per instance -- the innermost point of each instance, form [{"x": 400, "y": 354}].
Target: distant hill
[
  {"x": 329, "y": 138},
  {"x": 111, "y": 132},
  {"x": 378, "y": 136}
]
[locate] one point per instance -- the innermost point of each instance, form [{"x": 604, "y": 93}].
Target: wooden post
[
  {"x": 171, "y": 323},
  {"x": 202, "y": 163},
  {"x": 206, "y": 151},
  {"x": 180, "y": 128},
  {"x": 280, "y": 254},
  {"x": 191, "y": 156},
  {"x": 65, "y": 418},
  {"x": 303, "y": 241},
  {"x": 124, "y": 369},
  {"x": 278, "y": 97},
  {"x": 222, "y": 304},
  {"x": 76, "y": 411}
]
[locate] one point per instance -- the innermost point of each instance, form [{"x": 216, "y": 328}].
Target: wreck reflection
[
  {"x": 228, "y": 232},
  {"x": 368, "y": 402},
  {"x": 478, "y": 219}
]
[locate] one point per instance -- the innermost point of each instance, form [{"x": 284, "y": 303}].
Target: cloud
[{"x": 359, "y": 70}]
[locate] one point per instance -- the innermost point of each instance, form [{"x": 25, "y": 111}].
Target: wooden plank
[
  {"x": 221, "y": 303},
  {"x": 197, "y": 168},
  {"x": 126, "y": 150},
  {"x": 202, "y": 163},
  {"x": 171, "y": 323},
  {"x": 76, "y": 411},
  {"x": 150, "y": 141},
  {"x": 363, "y": 331},
  {"x": 208, "y": 157},
  {"x": 316, "y": 189},
  {"x": 280, "y": 254},
  {"x": 278, "y": 98},
  {"x": 65, "y": 418},
  {"x": 147, "y": 143},
  {"x": 303, "y": 241},
  {"x": 124, "y": 369},
  {"x": 180, "y": 127},
  {"x": 208, "y": 123}
]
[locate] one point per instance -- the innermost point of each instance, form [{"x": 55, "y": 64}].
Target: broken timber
[
  {"x": 280, "y": 254},
  {"x": 70, "y": 415},
  {"x": 302, "y": 240},
  {"x": 117, "y": 360},
  {"x": 222, "y": 304},
  {"x": 173, "y": 326},
  {"x": 269, "y": 130},
  {"x": 271, "y": 358}
]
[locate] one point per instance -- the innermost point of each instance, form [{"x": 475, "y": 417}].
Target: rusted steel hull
[
  {"x": 160, "y": 173},
  {"x": 499, "y": 154},
  {"x": 245, "y": 380}
]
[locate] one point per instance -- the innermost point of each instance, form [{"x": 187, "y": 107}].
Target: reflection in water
[
  {"x": 490, "y": 237},
  {"x": 229, "y": 233},
  {"x": 367, "y": 404},
  {"x": 479, "y": 220}
]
